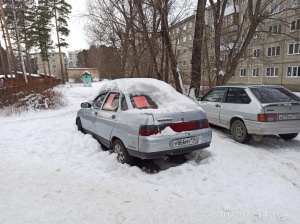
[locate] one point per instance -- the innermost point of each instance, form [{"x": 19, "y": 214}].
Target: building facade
[
  {"x": 73, "y": 58},
  {"x": 272, "y": 57},
  {"x": 54, "y": 67}
]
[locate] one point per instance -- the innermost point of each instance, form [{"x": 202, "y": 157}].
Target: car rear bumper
[
  {"x": 172, "y": 152},
  {"x": 273, "y": 128},
  {"x": 151, "y": 147}
]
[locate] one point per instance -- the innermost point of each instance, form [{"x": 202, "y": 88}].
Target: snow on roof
[{"x": 164, "y": 95}]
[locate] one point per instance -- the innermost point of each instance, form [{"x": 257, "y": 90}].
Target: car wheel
[
  {"x": 79, "y": 125},
  {"x": 288, "y": 136},
  {"x": 239, "y": 132},
  {"x": 123, "y": 155}
]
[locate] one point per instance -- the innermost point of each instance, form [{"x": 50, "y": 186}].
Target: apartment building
[
  {"x": 273, "y": 56},
  {"x": 54, "y": 64},
  {"x": 73, "y": 58}
]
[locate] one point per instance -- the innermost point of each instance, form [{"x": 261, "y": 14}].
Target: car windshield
[
  {"x": 142, "y": 102},
  {"x": 274, "y": 95}
]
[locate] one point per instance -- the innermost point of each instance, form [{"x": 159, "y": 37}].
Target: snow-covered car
[
  {"x": 253, "y": 111},
  {"x": 144, "y": 118}
]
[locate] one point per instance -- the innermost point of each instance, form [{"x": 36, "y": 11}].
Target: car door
[
  {"x": 106, "y": 117},
  {"x": 89, "y": 116},
  {"x": 236, "y": 104},
  {"x": 211, "y": 103}
]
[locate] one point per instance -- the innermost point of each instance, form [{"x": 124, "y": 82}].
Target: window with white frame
[
  {"x": 243, "y": 2},
  {"x": 183, "y": 63},
  {"x": 257, "y": 34},
  {"x": 184, "y": 39},
  {"x": 177, "y": 30},
  {"x": 272, "y": 72},
  {"x": 276, "y": 7},
  {"x": 190, "y": 24},
  {"x": 255, "y": 72},
  {"x": 295, "y": 3},
  {"x": 256, "y": 53},
  {"x": 242, "y": 72},
  {"x": 295, "y": 25},
  {"x": 212, "y": 29},
  {"x": 273, "y": 51},
  {"x": 294, "y": 49},
  {"x": 275, "y": 29},
  {"x": 184, "y": 27},
  {"x": 293, "y": 71},
  {"x": 178, "y": 41},
  {"x": 190, "y": 37}
]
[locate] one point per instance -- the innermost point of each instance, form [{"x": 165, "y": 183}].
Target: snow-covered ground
[{"x": 51, "y": 173}]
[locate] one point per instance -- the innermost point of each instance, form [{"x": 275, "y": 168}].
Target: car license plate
[
  {"x": 288, "y": 117},
  {"x": 185, "y": 141}
]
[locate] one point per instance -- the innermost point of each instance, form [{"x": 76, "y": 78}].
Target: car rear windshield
[
  {"x": 274, "y": 95},
  {"x": 142, "y": 102}
]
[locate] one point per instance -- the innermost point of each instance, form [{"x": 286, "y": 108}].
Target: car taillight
[
  {"x": 266, "y": 117},
  {"x": 147, "y": 130}
]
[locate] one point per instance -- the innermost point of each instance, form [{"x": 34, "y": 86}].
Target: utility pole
[{"x": 18, "y": 40}]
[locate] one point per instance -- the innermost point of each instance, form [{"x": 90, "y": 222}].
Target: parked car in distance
[
  {"x": 144, "y": 118},
  {"x": 253, "y": 111}
]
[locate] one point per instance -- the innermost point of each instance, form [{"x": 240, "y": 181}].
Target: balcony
[{"x": 229, "y": 29}]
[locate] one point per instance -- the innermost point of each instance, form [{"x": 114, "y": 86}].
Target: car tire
[
  {"x": 79, "y": 125},
  {"x": 123, "y": 155},
  {"x": 239, "y": 132},
  {"x": 288, "y": 136}
]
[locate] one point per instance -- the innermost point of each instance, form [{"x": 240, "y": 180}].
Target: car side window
[
  {"x": 111, "y": 102},
  {"x": 215, "y": 95},
  {"x": 99, "y": 100},
  {"x": 237, "y": 95}
]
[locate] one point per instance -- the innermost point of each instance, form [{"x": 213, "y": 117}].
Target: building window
[
  {"x": 276, "y": 7},
  {"x": 272, "y": 72},
  {"x": 293, "y": 71},
  {"x": 242, "y": 72},
  {"x": 295, "y": 3},
  {"x": 273, "y": 51},
  {"x": 184, "y": 39},
  {"x": 190, "y": 37},
  {"x": 243, "y": 2},
  {"x": 255, "y": 72},
  {"x": 177, "y": 30},
  {"x": 184, "y": 27},
  {"x": 276, "y": 29},
  {"x": 294, "y": 49},
  {"x": 190, "y": 24},
  {"x": 257, "y": 34},
  {"x": 183, "y": 63},
  {"x": 255, "y": 53},
  {"x": 178, "y": 41},
  {"x": 295, "y": 25},
  {"x": 178, "y": 52},
  {"x": 212, "y": 29}
]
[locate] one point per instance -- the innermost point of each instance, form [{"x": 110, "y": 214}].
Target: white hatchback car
[
  {"x": 253, "y": 111},
  {"x": 144, "y": 118}
]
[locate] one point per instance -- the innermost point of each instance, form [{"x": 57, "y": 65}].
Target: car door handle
[
  {"x": 113, "y": 116},
  {"x": 217, "y": 105},
  {"x": 96, "y": 113}
]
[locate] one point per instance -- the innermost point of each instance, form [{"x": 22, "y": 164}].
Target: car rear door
[
  {"x": 211, "y": 103},
  {"x": 106, "y": 117}
]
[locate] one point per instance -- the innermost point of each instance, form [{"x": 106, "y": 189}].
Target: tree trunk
[
  {"x": 170, "y": 53},
  {"x": 197, "y": 48},
  {"x": 58, "y": 44}
]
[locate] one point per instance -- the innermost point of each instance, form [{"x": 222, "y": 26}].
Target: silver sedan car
[
  {"x": 134, "y": 123},
  {"x": 253, "y": 111}
]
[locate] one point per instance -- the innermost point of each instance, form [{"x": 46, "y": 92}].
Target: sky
[
  {"x": 52, "y": 173},
  {"x": 76, "y": 38}
]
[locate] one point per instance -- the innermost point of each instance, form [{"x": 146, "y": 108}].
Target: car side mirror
[
  {"x": 86, "y": 105},
  {"x": 200, "y": 98}
]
